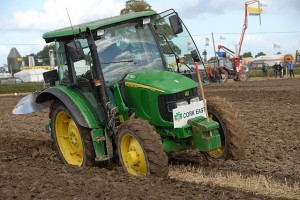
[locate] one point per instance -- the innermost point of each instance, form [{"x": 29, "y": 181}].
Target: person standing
[
  {"x": 291, "y": 69},
  {"x": 264, "y": 70},
  {"x": 280, "y": 70},
  {"x": 276, "y": 67},
  {"x": 284, "y": 66}
]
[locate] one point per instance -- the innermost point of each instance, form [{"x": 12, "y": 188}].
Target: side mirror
[
  {"x": 50, "y": 77},
  {"x": 175, "y": 24},
  {"x": 195, "y": 56},
  {"x": 75, "y": 51}
]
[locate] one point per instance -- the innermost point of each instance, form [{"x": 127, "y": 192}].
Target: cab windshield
[
  {"x": 175, "y": 46},
  {"x": 126, "y": 48}
]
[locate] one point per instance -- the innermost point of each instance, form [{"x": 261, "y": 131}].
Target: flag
[
  {"x": 262, "y": 5},
  {"x": 276, "y": 46},
  {"x": 31, "y": 61},
  {"x": 254, "y": 11},
  {"x": 222, "y": 38},
  {"x": 206, "y": 41}
]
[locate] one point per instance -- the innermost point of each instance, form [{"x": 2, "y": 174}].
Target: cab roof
[{"x": 94, "y": 25}]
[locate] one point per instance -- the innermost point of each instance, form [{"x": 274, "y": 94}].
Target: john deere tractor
[{"x": 127, "y": 87}]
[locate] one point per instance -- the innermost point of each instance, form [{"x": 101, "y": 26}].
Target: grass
[
  {"x": 258, "y": 73},
  {"x": 253, "y": 183},
  {"x": 20, "y": 87}
]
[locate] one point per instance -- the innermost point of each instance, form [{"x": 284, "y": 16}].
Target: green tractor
[{"x": 126, "y": 87}]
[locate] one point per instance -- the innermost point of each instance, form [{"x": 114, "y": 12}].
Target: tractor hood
[{"x": 160, "y": 81}]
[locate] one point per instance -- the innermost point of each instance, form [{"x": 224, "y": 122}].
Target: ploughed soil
[{"x": 270, "y": 109}]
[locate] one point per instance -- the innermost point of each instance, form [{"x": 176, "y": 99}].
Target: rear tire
[
  {"x": 243, "y": 76},
  {"x": 73, "y": 142},
  {"x": 140, "y": 149},
  {"x": 231, "y": 129},
  {"x": 223, "y": 76}
]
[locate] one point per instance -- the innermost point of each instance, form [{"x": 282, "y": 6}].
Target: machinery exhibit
[
  {"x": 115, "y": 97},
  {"x": 228, "y": 64}
]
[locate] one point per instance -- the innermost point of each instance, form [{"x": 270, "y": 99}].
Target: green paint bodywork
[
  {"x": 193, "y": 134},
  {"x": 142, "y": 91},
  {"x": 122, "y": 108},
  {"x": 173, "y": 145},
  {"x": 168, "y": 82},
  {"x": 102, "y": 145},
  {"x": 206, "y": 142},
  {"x": 181, "y": 133},
  {"x": 201, "y": 125},
  {"x": 98, "y": 138},
  {"x": 206, "y": 136},
  {"x": 142, "y": 98},
  {"x": 77, "y": 29},
  {"x": 87, "y": 105},
  {"x": 93, "y": 115}
]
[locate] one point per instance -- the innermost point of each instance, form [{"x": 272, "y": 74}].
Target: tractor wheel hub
[
  {"x": 73, "y": 139},
  {"x": 132, "y": 158}
]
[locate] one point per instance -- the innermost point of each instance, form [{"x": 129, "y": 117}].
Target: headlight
[
  {"x": 194, "y": 100},
  {"x": 181, "y": 104}
]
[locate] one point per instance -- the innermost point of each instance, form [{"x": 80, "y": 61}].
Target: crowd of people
[{"x": 280, "y": 69}]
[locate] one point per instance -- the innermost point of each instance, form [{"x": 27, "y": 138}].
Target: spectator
[
  {"x": 291, "y": 69},
  {"x": 264, "y": 70},
  {"x": 284, "y": 66},
  {"x": 280, "y": 70},
  {"x": 276, "y": 68}
]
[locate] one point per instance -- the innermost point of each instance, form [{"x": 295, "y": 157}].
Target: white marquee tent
[{"x": 31, "y": 75}]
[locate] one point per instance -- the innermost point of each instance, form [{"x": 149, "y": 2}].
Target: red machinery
[{"x": 231, "y": 68}]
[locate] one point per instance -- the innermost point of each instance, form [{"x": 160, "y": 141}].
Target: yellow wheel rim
[
  {"x": 69, "y": 139},
  {"x": 133, "y": 155},
  {"x": 218, "y": 153}
]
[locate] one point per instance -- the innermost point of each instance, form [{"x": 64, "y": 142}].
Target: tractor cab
[{"x": 148, "y": 41}]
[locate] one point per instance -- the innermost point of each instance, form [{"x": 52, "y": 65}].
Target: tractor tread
[
  {"x": 233, "y": 125},
  {"x": 89, "y": 153},
  {"x": 151, "y": 143}
]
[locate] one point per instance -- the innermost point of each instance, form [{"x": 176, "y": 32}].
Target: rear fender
[{"x": 81, "y": 108}]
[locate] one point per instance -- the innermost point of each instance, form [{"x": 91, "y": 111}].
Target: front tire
[
  {"x": 73, "y": 142},
  {"x": 223, "y": 75},
  {"x": 231, "y": 129},
  {"x": 140, "y": 149}
]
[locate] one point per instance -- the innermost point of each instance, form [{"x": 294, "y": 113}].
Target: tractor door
[{"x": 74, "y": 69}]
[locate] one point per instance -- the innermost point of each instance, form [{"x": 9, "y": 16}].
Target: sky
[{"x": 22, "y": 23}]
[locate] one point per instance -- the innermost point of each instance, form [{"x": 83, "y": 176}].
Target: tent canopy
[{"x": 32, "y": 75}]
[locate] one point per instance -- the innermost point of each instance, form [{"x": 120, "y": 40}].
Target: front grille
[{"x": 166, "y": 102}]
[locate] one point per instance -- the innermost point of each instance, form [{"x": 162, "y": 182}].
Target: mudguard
[{"x": 83, "y": 107}]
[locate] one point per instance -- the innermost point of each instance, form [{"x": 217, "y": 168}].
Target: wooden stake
[{"x": 202, "y": 92}]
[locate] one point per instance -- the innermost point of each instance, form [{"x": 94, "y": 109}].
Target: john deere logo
[
  {"x": 178, "y": 116},
  {"x": 187, "y": 93}
]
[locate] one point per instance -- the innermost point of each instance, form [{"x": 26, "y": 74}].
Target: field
[{"x": 270, "y": 110}]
